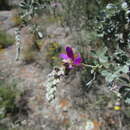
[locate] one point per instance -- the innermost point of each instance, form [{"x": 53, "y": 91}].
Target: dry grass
[
  {"x": 16, "y": 18},
  {"x": 29, "y": 51}
]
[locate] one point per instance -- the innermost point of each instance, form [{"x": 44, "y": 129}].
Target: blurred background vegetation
[{"x": 99, "y": 30}]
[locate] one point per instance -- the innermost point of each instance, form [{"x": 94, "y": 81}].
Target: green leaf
[
  {"x": 101, "y": 51},
  {"x": 105, "y": 73},
  {"x": 124, "y": 69},
  {"x": 100, "y": 35},
  {"x": 103, "y": 59},
  {"x": 101, "y": 55},
  {"x": 111, "y": 77}
]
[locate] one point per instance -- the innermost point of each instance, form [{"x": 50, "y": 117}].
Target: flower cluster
[{"x": 53, "y": 80}]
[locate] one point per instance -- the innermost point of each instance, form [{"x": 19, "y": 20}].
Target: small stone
[
  {"x": 89, "y": 125},
  {"x": 43, "y": 126},
  {"x": 40, "y": 34},
  {"x": 31, "y": 123},
  {"x": 24, "y": 122},
  {"x": 110, "y": 105}
]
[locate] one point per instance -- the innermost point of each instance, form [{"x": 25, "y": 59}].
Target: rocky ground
[{"x": 57, "y": 115}]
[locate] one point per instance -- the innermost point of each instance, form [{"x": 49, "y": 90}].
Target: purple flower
[{"x": 70, "y": 58}]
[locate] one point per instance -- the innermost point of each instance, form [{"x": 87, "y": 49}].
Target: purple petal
[
  {"x": 77, "y": 60},
  {"x": 64, "y": 56},
  {"x": 70, "y": 53}
]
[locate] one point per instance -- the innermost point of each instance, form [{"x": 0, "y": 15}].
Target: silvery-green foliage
[
  {"x": 113, "y": 29},
  {"x": 53, "y": 79},
  {"x": 114, "y": 23},
  {"x": 18, "y": 43},
  {"x": 35, "y": 29},
  {"x": 17, "y": 35},
  {"x": 31, "y": 8}
]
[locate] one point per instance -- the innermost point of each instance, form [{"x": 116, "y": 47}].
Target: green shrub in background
[
  {"x": 5, "y": 39},
  {"x": 113, "y": 29},
  {"x": 13, "y": 104},
  {"x": 8, "y": 94}
]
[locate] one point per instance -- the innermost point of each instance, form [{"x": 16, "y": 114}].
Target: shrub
[
  {"x": 113, "y": 25},
  {"x": 5, "y": 39},
  {"x": 8, "y": 94},
  {"x": 113, "y": 29}
]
